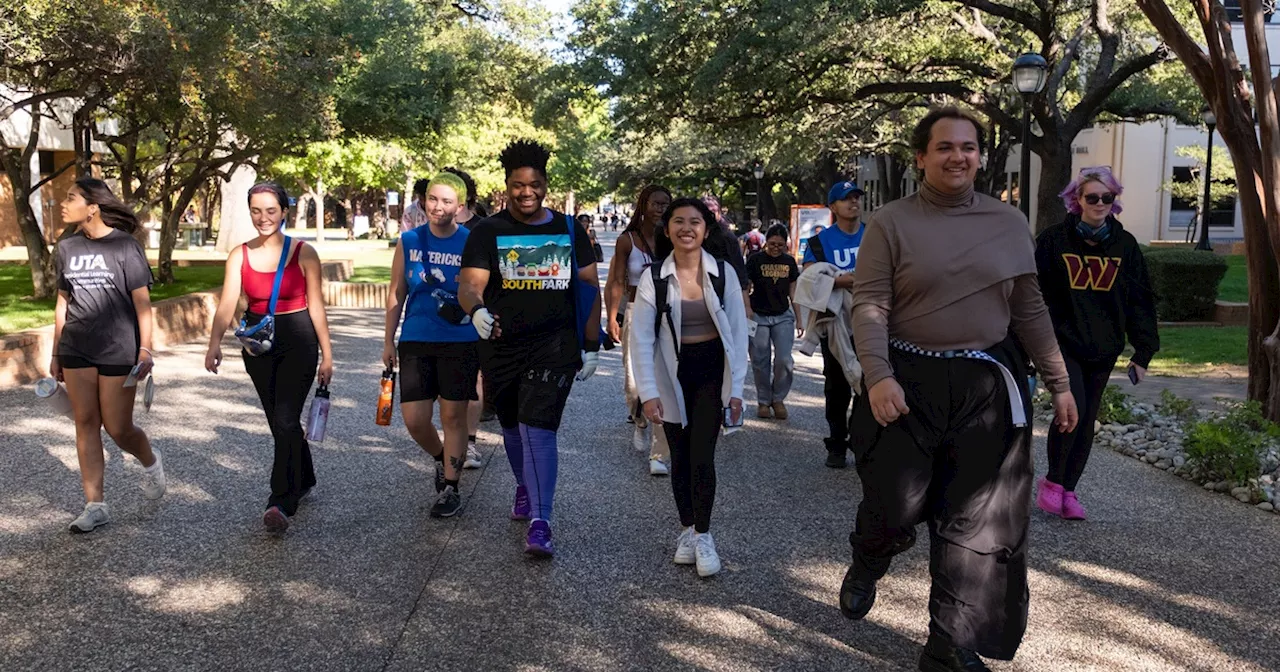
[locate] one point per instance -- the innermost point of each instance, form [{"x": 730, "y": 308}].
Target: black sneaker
[
  {"x": 836, "y": 460},
  {"x": 941, "y": 656},
  {"x": 438, "y": 479},
  {"x": 447, "y": 504}
]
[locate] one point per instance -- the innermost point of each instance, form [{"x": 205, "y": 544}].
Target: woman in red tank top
[{"x": 300, "y": 352}]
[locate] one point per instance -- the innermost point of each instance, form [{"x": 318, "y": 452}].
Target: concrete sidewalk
[{"x": 1163, "y": 577}]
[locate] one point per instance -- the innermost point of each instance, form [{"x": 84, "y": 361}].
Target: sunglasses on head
[{"x": 1106, "y": 199}]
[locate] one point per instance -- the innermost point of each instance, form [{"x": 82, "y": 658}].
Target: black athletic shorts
[
  {"x": 444, "y": 370},
  {"x": 72, "y": 362},
  {"x": 528, "y": 381}
]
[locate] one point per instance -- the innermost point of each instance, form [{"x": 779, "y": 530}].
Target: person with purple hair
[{"x": 1094, "y": 280}]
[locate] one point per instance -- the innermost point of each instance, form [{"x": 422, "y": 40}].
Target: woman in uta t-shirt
[
  {"x": 300, "y": 352},
  {"x": 102, "y": 331}
]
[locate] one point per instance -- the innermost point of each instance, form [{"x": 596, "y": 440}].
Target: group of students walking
[{"x": 928, "y": 316}]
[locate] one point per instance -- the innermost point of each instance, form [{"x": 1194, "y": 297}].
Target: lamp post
[
  {"x": 1029, "y": 74},
  {"x": 758, "y": 171},
  {"x": 1211, "y": 121}
]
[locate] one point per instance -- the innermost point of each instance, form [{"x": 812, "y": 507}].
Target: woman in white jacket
[{"x": 699, "y": 358}]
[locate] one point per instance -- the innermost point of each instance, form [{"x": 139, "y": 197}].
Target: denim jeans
[{"x": 773, "y": 378}]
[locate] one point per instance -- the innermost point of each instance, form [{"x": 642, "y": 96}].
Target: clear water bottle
[{"x": 318, "y": 418}]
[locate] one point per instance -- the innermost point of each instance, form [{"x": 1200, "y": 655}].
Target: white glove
[
  {"x": 590, "y": 360},
  {"x": 483, "y": 321}
]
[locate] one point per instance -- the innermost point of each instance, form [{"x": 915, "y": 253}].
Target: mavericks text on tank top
[{"x": 431, "y": 268}]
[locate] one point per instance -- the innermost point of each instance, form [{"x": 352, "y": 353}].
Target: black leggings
[
  {"x": 693, "y": 447},
  {"x": 1068, "y": 453},
  {"x": 283, "y": 377}
]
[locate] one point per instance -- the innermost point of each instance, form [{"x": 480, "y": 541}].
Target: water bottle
[
  {"x": 318, "y": 418},
  {"x": 385, "y": 397}
]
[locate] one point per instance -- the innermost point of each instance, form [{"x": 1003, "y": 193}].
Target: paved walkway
[{"x": 1163, "y": 577}]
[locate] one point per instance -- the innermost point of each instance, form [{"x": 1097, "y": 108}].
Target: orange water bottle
[{"x": 385, "y": 397}]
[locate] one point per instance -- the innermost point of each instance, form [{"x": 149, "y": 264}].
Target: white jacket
[
  {"x": 830, "y": 316},
  {"x": 660, "y": 381}
]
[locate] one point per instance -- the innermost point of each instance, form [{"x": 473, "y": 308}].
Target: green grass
[
  {"x": 371, "y": 274},
  {"x": 18, "y": 311},
  {"x": 1235, "y": 284},
  {"x": 1190, "y": 351}
]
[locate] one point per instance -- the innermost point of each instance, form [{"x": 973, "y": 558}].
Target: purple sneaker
[
  {"x": 538, "y": 543},
  {"x": 521, "y": 510}
]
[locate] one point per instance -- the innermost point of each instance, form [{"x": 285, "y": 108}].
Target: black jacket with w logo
[{"x": 1097, "y": 294}]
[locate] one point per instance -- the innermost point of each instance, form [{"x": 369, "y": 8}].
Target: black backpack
[{"x": 664, "y": 307}]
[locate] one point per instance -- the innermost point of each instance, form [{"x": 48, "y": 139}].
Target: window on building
[
  {"x": 46, "y": 162},
  {"x": 1223, "y": 212},
  {"x": 1182, "y": 175}
]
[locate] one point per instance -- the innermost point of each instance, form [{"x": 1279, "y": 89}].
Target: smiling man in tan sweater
[{"x": 946, "y": 279}]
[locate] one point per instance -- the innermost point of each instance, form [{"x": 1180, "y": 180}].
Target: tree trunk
[
  {"x": 1055, "y": 174},
  {"x": 17, "y": 167},
  {"x": 82, "y": 139}
]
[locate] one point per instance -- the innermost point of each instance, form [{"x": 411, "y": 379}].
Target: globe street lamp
[
  {"x": 758, "y": 171},
  {"x": 1211, "y": 121},
  {"x": 1029, "y": 74}
]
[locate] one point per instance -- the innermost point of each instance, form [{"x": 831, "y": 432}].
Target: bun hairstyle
[
  {"x": 717, "y": 243},
  {"x": 111, "y": 209},
  {"x": 524, "y": 154},
  {"x": 282, "y": 196}
]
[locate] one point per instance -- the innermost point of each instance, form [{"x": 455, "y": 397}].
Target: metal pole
[
  {"x": 1208, "y": 205},
  {"x": 1024, "y": 172},
  {"x": 759, "y": 202}
]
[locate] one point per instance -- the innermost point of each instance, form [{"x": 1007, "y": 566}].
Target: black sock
[
  {"x": 471, "y": 438},
  {"x": 439, "y": 458},
  {"x": 453, "y": 483}
]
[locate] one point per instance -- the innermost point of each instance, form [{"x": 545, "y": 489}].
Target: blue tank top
[{"x": 431, "y": 267}]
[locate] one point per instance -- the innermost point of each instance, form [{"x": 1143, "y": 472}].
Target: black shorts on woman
[{"x": 446, "y": 371}]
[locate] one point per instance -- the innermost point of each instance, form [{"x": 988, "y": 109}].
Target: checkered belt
[{"x": 1016, "y": 409}]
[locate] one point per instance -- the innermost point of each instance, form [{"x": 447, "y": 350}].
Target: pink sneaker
[
  {"x": 1049, "y": 498},
  {"x": 1071, "y": 509}
]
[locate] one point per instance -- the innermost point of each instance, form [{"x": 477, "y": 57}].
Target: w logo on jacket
[{"x": 1096, "y": 273}]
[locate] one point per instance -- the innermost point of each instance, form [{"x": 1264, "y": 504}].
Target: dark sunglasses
[{"x": 1107, "y": 199}]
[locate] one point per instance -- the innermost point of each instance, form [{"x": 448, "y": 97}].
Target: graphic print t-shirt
[
  {"x": 771, "y": 279},
  {"x": 839, "y": 248},
  {"x": 431, "y": 267},
  {"x": 99, "y": 277},
  {"x": 529, "y": 271}
]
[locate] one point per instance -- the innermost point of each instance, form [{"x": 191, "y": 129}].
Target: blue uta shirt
[
  {"x": 431, "y": 267},
  {"x": 839, "y": 248}
]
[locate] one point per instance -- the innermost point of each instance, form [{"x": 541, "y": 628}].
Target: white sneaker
[
  {"x": 473, "y": 458},
  {"x": 639, "y": 439},
  {"x": 657, "y": 467},
  {"x": 95, "y": 515},
  {"x": 154, "y": 484},
  {"x": 704, "y": 550},
  {"x": 684, "y": 547}
]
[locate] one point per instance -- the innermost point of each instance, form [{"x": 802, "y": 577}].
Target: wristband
[
  {"x": 474, "y": 308},
  {"x": 148, "y": 351}
]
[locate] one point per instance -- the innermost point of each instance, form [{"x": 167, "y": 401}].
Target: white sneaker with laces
[
  {"x": 639, "y": 439},
  {"x": 704, "y": 550},
  {"x": 95, "y": 515},
  {"x": 684, "y": 547},
  {"x": 657, "y": 467},
  {"x": 473, "y": 460},
  {"x": 154, "y": 484}
]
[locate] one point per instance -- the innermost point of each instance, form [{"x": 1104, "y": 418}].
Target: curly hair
[
  {"x": 524, "y": 154},
  {"x": 1100, "y": 174}
]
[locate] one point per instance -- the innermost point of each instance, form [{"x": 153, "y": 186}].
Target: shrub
[
  {"x": 1176, "y": 407},
  {"x": 1185, "y": 283},
  {"x": 1115, "y": 407},
  {"x": 1229, "y": 447}
]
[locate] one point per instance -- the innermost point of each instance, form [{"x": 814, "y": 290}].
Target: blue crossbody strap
[{"x": 275, "y": 287}]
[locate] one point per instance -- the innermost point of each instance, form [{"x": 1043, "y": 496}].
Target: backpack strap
[
  {"x": 663, "y": 306},
  {"x": 717, "y": 281},
  {"x": 815, "y": 246}
]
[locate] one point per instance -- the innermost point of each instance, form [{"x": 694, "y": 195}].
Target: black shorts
[
  {"x": 444, "y": 370},
  {"x": 529, "y": 381},
  {"x": 73, "y": 362}
]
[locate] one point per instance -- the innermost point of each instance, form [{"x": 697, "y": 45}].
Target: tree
[
  {"x": 1255, "y": 152},
  {"x": 840, "y": 71}
]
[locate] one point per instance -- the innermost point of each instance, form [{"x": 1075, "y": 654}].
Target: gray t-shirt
[{"x": 99, "y": 277}]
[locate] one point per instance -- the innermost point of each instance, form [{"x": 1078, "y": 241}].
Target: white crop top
[{"x": 637, "y": 262}]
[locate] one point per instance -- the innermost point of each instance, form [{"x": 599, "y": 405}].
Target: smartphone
[
  {"x": 728, "y": 418},
  {"x": 132, "y": 379},
  {"x": 1133, "y": 374}
]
